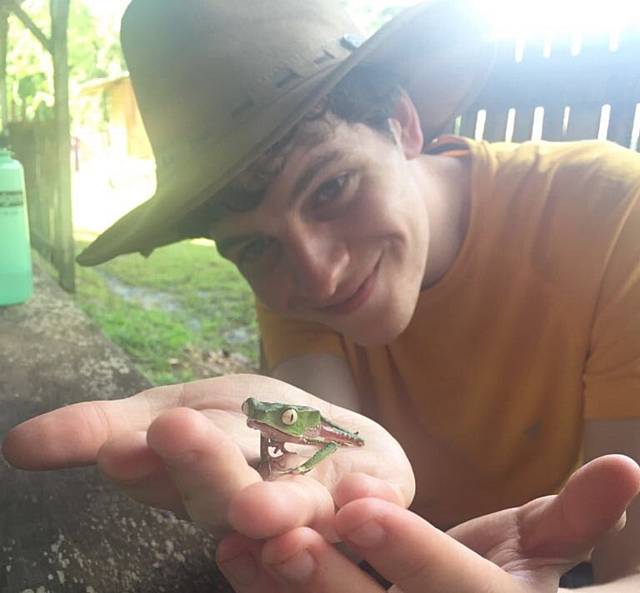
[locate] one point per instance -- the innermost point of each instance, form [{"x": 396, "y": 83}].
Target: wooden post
[
  {"x": 63, "y": 241},
  {"x": 4, "y": 34}
]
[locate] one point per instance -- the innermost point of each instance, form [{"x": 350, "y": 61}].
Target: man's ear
[{"x": 405, "y": 126}]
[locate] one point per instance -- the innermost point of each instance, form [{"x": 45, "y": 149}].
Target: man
[{"x": 478, "y": 301}]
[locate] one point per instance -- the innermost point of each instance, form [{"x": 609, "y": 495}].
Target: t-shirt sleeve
[
  {"x": 284, "y": 337},
  {"x": 612, "y": 374}
]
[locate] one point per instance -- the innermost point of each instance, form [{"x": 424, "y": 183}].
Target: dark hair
[{"x": 367, "y": 95}]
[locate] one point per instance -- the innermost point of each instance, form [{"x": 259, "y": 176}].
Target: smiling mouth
[{"x": 357, "y": 299}]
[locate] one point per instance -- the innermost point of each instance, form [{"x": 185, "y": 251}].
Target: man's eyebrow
[
  {"x": 230, "y": 202},
  {"x": 313, "y": 168},
  {"x": 303, "y": 182}
]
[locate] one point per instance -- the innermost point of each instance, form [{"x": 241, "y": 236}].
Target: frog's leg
[
  {"x": 264, "y": 467},
  {"x": 316, "y": 458}
]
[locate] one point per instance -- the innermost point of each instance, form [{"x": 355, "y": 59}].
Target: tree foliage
[{"x": 94, "y": 52}]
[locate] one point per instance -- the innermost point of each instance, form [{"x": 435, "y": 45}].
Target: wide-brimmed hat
[{"x": 218, "y": 82}]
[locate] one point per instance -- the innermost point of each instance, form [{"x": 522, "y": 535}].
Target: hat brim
[{"x": 439, "y": 47}]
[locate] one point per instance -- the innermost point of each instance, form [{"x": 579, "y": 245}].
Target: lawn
[{"x": 180, "y": 314}]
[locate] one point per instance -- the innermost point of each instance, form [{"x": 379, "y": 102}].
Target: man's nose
[{"x": 317, "y": 260}]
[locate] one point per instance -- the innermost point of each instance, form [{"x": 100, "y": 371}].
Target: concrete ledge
[{"x": 68, "y": 531}]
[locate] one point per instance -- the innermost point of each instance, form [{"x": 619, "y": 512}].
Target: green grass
[{"x": 174, "y": 312}]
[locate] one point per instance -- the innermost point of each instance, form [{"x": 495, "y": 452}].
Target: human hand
[
  {"x": 519, "y": 550},
  {"x": 187, "y": 448}
]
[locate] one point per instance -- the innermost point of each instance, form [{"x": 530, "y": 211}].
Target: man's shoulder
[
  {"x": 593, "y": 175},
  {"x": 595, "y": 161},
  {"x": 598, "y": 158},
  {"x": 559, "y": 205}
]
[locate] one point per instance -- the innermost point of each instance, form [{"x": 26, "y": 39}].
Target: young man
[{"x": 479, "y": 302}]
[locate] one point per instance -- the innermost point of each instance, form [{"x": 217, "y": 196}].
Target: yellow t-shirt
[{"x": 534, "y": 328}]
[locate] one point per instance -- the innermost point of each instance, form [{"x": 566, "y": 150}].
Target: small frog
[{"x": 281, "y": 423}]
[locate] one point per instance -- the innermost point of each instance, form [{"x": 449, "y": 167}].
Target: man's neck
[{"x": 448, "y": 207}]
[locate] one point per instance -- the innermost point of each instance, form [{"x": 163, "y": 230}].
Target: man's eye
[
  {"x": 254, "y": 250},
  {"x": 330, "y": 190}
]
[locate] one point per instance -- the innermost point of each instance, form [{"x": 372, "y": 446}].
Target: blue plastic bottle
[{"x": 16, "y": 278}]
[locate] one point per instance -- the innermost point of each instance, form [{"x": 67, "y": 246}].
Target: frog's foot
[
  {"x": 282, "y": 462},
  {"x": 278, "y": 455},
  {"x": 275, "y": 465},
  {"x": 310, "y": 463},
  {"x": 279, "y": 449}
]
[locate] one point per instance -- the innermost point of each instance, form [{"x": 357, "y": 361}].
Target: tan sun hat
[{"x": 218, "y": 82}]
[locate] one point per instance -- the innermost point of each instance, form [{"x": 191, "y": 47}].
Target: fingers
[
  {"x": 72, "y": 436},
  {"x": 557, "y": 532},
  {"x": 300, "y": 560},
  {"x": 266, "y": 509},
  {"x": 187, "y": 465},
  {"x": 403, "y": 548},
  {"x": 140, "y": 473},
  {"x": 192, "y": 468},
  {"x": 418, "y": 558},
  {"x": 412, "y": 554},
  {"x": 205, "y": 464},
  {"x": 238, "y": 558},
  {"x": 359, "y": 485},
  {"x": 591, "y": 504}
]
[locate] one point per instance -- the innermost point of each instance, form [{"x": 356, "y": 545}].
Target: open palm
[{"x": 187, "y": 448}]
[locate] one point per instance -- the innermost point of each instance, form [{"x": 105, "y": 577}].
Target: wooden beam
[
  {"x": 15, "y": 7},
  {"x": 63, "y": 241},
  {"x": 4, "y": 35}
]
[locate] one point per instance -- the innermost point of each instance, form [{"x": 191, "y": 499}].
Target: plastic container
[{"x": 16, "y": 276}]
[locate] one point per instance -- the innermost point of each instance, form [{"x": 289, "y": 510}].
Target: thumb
[{"x": 591, "y": 504}]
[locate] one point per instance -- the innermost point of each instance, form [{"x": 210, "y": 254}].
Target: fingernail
[
  {"x": 241, "y": 569},
  {"x": 296, "y": 569},
  {"x": 367, "y": 535}
]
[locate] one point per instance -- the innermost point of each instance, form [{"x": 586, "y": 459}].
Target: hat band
[{"x": 285, "y": 80}]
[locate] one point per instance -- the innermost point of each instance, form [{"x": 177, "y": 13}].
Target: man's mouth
[{"x": 357, "y": 298}]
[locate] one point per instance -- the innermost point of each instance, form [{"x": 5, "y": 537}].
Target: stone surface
[{"x": 69, "y": 531}]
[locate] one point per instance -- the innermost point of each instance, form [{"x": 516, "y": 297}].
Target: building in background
[{"x": 125, "y": 131}]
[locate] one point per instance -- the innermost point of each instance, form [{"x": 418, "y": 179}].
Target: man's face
[{"x": 340, "y": 237}]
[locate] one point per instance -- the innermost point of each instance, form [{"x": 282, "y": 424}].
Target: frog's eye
[{"x": 289, "y": 416}]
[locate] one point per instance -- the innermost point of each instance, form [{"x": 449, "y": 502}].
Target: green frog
[{"x": 281, "y": 423}]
